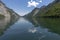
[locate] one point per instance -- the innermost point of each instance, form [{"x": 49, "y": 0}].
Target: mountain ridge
[
  {"x": 51, "y": 10},
  {"x": 7, "y": 17}
]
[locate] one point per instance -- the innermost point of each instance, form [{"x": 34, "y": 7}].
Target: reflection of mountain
[
  {"x": 4, "y": 25},
  {"x": 52, "y": 24},
  {"x": 52, "y": 10},
  {"x": 7, "y": 17},
  {"x": 33, "y": 21}
]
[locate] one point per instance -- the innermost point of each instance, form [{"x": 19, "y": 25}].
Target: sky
[{"x": 23, "y": 7}]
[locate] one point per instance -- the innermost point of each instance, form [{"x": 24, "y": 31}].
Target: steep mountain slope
[
  {"x": 33, "y": 13},
  {"x": 7, "y": 12},
  {"x": 8, "y": 17},
  {"x": 51, "y": 10}
]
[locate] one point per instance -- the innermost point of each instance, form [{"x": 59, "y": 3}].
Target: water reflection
[
  {"x": 52, "y": 24},
  {"x": 5, "y": 24},
  {"x": 33, "y": 29}
]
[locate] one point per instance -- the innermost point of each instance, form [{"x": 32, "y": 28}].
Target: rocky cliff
[
  {"x": 33, "y": 13},
  {"x": 8, "y": 16}
]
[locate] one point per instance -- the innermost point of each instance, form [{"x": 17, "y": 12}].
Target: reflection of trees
[
  {"x": 33, "y": 21},
  {"x": 52, "y": 24}
]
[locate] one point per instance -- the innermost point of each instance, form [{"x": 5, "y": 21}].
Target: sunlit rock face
[
  {"x": 9, "y": 17},
  {"x": 36, "y": 10},
  {"x": 3, "y": 11},
  {"x": 6, "y": 19},
  {"x": 33, "y": 13}
]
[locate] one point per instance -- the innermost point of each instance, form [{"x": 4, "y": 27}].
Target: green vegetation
[
  {"x": 53, "y": 24},
  {"x": 1, "y": 16},
  {"x": 0, "y": 4},
  {"x": 52, "y": 10}
]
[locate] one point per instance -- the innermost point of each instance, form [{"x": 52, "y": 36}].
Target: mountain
[
  {"x": 51, "y": 10},
  {"x": 33, "y": 13},
  {"x": 7, "y": 17}
]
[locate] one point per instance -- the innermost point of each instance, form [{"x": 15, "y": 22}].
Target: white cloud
[{"x": 33, "y": 3}]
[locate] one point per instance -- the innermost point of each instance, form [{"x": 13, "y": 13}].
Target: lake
[{"x": 33, "y": 29}]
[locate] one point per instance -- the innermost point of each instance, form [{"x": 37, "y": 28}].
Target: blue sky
[{"x": 20, "y": 6}]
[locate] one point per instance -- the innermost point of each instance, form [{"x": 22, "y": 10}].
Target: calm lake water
[{"x": 32, "y": 29}]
